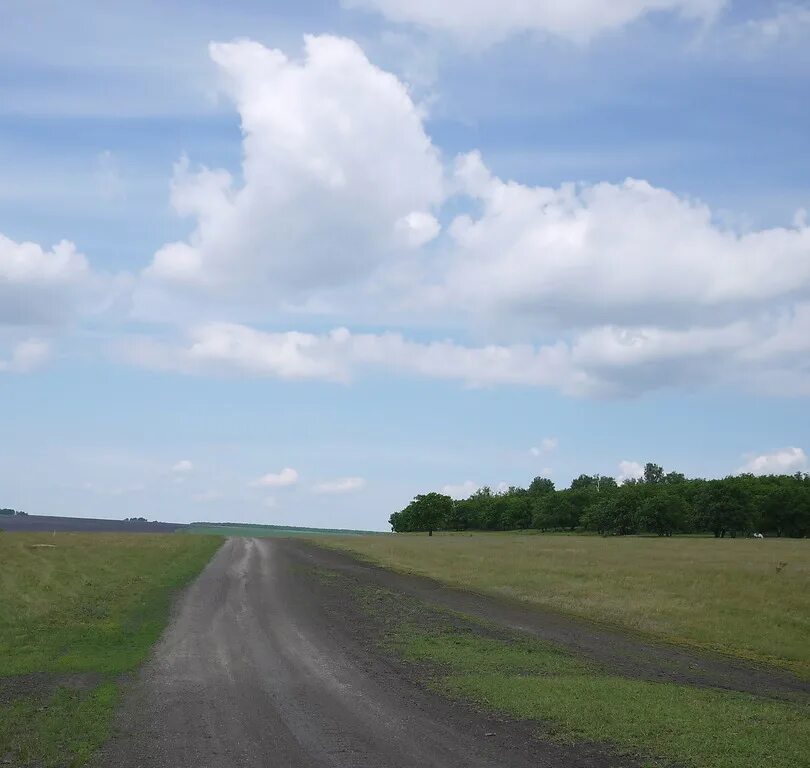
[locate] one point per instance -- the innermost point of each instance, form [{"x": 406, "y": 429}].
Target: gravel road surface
[{"x": 253, "y": 672}]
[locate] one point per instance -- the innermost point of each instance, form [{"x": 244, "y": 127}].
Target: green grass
[
  {"x": 82, "y": 603},
  {"x": 749, "y": 598},
  {"x": 662, "y": 722},
  {"x": 64, "y": 730}
]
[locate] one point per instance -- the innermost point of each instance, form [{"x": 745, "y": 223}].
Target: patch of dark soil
[{"x": 42, "y": 685}]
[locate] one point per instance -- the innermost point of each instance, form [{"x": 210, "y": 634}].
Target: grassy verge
[
  {"x": 85, "y": 608},
  {"x": 659, "y": 723},
  {"x": 743, "y": 597}
]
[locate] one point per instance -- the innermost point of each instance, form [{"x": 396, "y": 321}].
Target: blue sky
[{"x": 435, "y": 246}]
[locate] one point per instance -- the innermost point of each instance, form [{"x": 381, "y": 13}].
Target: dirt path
[
  {"x": 252, "y": 671},
  {"x": 622, "y": 653}
]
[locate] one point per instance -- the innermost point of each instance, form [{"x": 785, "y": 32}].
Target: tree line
[
  {"x": 13, "y": 513},
  {"x": 662, "y": 503}
]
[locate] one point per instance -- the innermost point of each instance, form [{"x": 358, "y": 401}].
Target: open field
[
  {"x": 235, "y": 529},
  {"x": 51, "y": 524},
  {"x": 289, "y": 653},
  {"x": 76, "y": 612},
  {"x": 749, "y": 598}
]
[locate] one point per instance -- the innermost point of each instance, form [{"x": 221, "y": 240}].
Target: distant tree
[
  {"x": 785, "y": 511},
  {"x": 653, "y": 473},
  {"x": 663, "y": 513},
  {"x": 584, "y": 482},
  {"x": 723, "y": 507},
  {"x": 541, "y": 486},
  {"x": 555, "y": 511},
  {"x": 599, "y": 516},
  {"x": 429, "y": 511}
]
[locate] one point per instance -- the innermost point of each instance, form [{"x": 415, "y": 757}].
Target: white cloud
[
  {"x": 282, "y": 479},
  {"x": 460, "y": 491},
  {"x": 768, "y": 353},
  {"x": 182, "y": 467},
  {"x": 341, "y": 485},
  {"x": 578, "y": 20},
  {"x": 790, "y": 23},
  {"x": 39, "y": 285},
  {"x": 219, "y": 348},
  {"x": 785, "y": 461},
  {"x": 339, "y": 178},
  {"x": 27, "y": 356},
  {"x": 629, "y": 470},
  {"x": 547, "y": 445},
  {"x": 625, "y": 253},
  {"x": 612, "y": 289}
]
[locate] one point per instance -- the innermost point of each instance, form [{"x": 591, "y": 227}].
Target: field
[
  {"x": 236, "y": 529},
  {"x": 749, "y": 598},
  {"x": 52, "y": 524},
  {"x": 77, "y": 612}
]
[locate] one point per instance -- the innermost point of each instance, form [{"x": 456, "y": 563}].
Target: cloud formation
[
  {"x": 578, "y": 20},
  {"x": 629, "y": 470},
  {"x": 768, "y": 354},
  {"x": 283, "y": 479},
  {"x": 460, "y": 490},
  {"x": 547, "y": 445},
  {"x": 339, "y": 177},
  {"x": 785, "y": 461},
  {"x": 26, "y": 356},
  {"x": 341, "y": 485},
  {"x": 612, "y": 253},
  {"x": 40, "y": 286}
]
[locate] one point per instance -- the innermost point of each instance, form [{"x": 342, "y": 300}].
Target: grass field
[
  {"x": 749, "y": 598},
  {"x": 572, "y": 701},
  {"x": 77, "y": 611}
]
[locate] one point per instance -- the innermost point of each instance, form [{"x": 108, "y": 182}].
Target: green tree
[
  {"x": 663, "y": 513},
  {"x": 430, "y": 510},
  {"x": 653, "y": 473},
  {"x": 723, "y": 507}
]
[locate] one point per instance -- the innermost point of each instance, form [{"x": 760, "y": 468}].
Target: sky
[{"x": 294, "y": 263}]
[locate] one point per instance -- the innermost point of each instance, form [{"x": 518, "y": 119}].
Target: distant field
[
  {"x": 224, "y": 529},
  {"x": 749, "y": 598},
  {"x": 77, "y": 611},
  {"x": 51, "y": 524}
]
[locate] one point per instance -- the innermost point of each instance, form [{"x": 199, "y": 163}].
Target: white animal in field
[{"x": 758, "y": 536}]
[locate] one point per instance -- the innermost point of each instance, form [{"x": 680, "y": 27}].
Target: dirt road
[
  {"x": 253, "y": 672},
  {"x": 261, "y": 666}
]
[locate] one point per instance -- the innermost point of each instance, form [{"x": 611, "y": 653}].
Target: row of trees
[
  {"x": 661, "y": 503},
  {"x": 13, "y": 513}
]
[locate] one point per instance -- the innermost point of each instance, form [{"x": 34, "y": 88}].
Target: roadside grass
[
  {"x": 659, "y": 724},
  {"x": 81, "y": 604},
  {"x": 747, "y": 598}
]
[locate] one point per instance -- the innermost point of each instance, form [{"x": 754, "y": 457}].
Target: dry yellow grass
[{"x": 745, "y": 597}]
